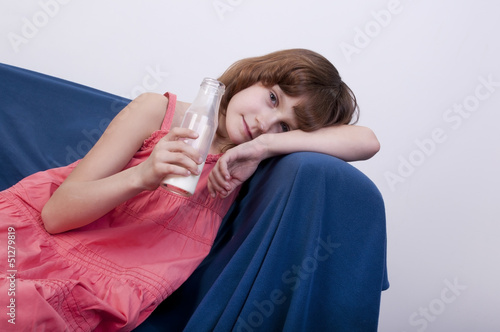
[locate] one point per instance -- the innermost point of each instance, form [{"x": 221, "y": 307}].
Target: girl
[{"x": 101, "y": 244}]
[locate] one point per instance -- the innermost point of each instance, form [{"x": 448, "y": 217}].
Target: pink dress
[{"x": 111, "y": 274}]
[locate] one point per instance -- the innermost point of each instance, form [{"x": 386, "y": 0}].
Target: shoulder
[
  {"x": 155, "y": 106},
  {"x": 145, "y": 112},
  {"x": 149, "y": 102}
]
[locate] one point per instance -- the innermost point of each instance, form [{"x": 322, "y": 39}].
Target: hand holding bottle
[
  {"x": 171, "y": 156},
  {"x": 201, "y": 117}
]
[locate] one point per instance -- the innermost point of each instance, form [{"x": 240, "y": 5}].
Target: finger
[
  {"x": 189, "y": 151},
  {"x": 180, "y": 147},
  {"x": 179, "y": 158},
  {"x": 211, "y": 186},
  {"x": 222, "y": 176},
  {"x": 177, "y": 133},
  {"x": 224, "y": 171},
  {"x": 211, "y": 191},
  {"x": 217, "y": 183},
  {"x": 170, "y": 169},
  {"x": 218, "y": 186}
]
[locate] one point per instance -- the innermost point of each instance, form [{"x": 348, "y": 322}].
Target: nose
[{"x": 267, "y": 122}]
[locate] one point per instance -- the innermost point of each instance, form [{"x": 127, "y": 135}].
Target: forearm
[
  {"x": 77, "y": 203},
  {"x": 347, "y": 142}
]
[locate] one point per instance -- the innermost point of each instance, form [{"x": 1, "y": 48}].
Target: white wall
[{"x": 418, "y": 69}]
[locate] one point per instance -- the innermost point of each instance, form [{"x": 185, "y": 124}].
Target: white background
[{"x": 418, "y": 69}]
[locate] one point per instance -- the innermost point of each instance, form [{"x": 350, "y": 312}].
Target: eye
[
  {"x": 273, "y": 98},
  {"x": 284, "y": 127}
]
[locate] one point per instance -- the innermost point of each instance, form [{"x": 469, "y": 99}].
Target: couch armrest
[{"x": 303, "y": 248}]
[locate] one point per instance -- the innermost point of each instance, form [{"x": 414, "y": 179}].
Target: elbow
[
  {"x": 372, "y": 145},
  {"x": 50, "y": 221}
]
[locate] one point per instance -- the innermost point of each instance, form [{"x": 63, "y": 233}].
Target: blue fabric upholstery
[
  {"x": 301, "y": 249},
  {"x": 47, "y": 122}
]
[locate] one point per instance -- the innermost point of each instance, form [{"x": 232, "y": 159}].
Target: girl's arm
[
  {"x": 347, "y": 142},
  {"x": 99, "y": 183}
]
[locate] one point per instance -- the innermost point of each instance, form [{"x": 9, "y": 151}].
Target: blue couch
[{"x": 303, "y": 248}]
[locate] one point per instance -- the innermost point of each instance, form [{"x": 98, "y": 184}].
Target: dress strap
[{"x": 169, "y": 115}]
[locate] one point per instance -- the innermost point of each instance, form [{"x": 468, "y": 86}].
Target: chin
[
  {"x": 239, "y": 141},
  {"x": 235, "y": 140}
]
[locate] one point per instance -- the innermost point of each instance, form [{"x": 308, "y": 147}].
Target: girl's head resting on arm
[{"x": 325, "y": 99}]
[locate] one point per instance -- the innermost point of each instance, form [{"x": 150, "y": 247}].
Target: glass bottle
[{"x": 202, "y": 116}]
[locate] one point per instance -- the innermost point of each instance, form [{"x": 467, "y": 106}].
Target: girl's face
[{"x": 257, "y": 110}]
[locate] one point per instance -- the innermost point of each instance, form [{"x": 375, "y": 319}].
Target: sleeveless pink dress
[{"x": 111, "y": 274}]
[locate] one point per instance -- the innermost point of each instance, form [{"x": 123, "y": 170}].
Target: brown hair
[{"x": 299, "y": 73}]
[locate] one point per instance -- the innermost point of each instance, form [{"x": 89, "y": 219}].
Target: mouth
[{"x": 247, "y": 129}]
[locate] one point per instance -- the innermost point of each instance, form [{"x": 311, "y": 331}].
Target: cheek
[
  {"x": 227, "y": 122},
  {"x": 231, "y": 116},
  {"x": 234, "y": 130}
]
